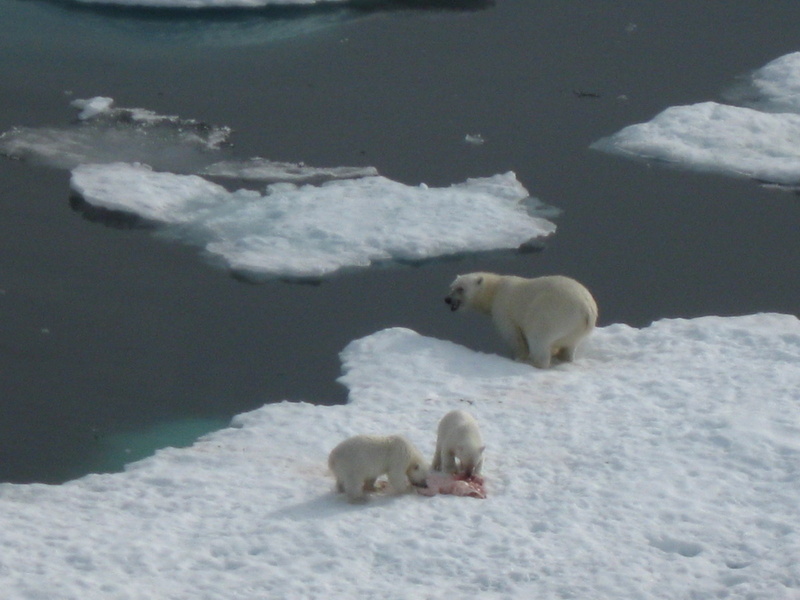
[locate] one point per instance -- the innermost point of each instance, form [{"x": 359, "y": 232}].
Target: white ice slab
[
  {"x": 760, "y": 140},
  {"x": 310, "y": 231},
  {"x": 775, "y": 87},
  {"x": 716, "y": 137},
  {"x": 662, "y": 464}
]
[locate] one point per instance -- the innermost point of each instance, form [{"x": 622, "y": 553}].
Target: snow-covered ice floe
[
  {"x": 664, "y": 463},
  {"x": 759, "y": 139},
  {"x": 310, "y": 231}
]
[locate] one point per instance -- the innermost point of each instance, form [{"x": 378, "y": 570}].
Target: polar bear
[
  {"x": 358, "y": 461},
  {"x": 540, "y": 318},
  {"x": 459, "y": 447}
]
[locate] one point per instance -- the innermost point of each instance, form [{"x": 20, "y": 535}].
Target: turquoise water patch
[{"x": 121, "y": 448}]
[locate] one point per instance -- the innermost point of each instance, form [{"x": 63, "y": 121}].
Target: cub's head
[
  {"x": 464, "y": 290},
  {"x": 470, "y": 460},
  {"x": 418, "y": 473}
]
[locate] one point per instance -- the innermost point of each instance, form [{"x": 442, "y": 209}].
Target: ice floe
[
  {"x": 759, "y": 140},
  {"x": 309, "y": 231},
  {"x": 662, "y": 464}
]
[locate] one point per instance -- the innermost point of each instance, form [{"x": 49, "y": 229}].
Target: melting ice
[{"x": 759, "y": 138}]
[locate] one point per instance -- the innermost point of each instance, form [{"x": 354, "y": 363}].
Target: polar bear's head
[
  {"x": 470, "y": 459},
  {"x": 417, "y": 472},
  {"x": 472, "y": 290}
]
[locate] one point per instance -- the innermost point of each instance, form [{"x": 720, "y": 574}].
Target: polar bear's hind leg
[{"x": 565, "y": 354}]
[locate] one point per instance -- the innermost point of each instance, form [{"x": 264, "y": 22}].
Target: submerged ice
[
  {"x": 106, "y": 133},
  {"x": 759, "y": 138},
  {"x": 309, "y": 231}
]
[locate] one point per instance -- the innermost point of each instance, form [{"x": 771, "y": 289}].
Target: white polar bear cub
[
  {"x": 540, "y": 318},
  {"x": 459, "y": 439},
  {"x": 358, "y": 461}
]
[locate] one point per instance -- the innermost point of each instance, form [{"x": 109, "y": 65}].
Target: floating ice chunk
[
  {"x": 717, "y": 137},
  {"x": 760, "y": 140},
  {"x": 774, "y": 87},
  {"x": 313, "y": 230},
  {"x": 135, "y": 188},
  {"x": 92, "y": 107}
]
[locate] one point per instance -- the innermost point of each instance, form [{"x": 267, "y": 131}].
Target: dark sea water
[{"x": 115, "y": 342}]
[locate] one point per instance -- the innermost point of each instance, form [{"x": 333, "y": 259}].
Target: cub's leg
[
  {"x": 540, "y": 355},
  {"x": 398, "y": 480},
  {"x": 354, "y": 488},
  {"x": 566, "y": 354},
  {"x": 449, "y": 462}
]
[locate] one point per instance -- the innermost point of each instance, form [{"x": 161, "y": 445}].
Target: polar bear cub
[
  {"x": 539, "y": 318},
  {"x": 357, "y": 462},
  {"x": 459, "y": 447}
]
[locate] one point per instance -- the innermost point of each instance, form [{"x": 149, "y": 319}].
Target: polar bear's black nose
[{"x": 448, "y": 300}]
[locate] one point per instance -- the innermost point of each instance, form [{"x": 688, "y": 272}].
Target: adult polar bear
[{"x": 540, "y": 318}]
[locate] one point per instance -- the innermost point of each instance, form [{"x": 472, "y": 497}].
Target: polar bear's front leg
[
  {"x": 353, "y": 488},
  {"x": 566, "y": 354},
  {"x": 539, "y": 355},
  {"x": 449, "y": 462},
  {"x": 398, "y": 480},
  {"x": 436, "y": 463},
  {"x": 521, "y": 347}
]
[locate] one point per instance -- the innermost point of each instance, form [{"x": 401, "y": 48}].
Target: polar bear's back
[
  {"x": 457, "y": 424},
  {"x": 360, "y": 449},
  {"x": 561, "y": 298},
  {"x": 373, "y": 453}
]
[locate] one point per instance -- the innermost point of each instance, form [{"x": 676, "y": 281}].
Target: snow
[
  {"x": 663, "y": 463},
  {"x": 311, "y": 231},
  {"x": 758, "y": 140}
]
